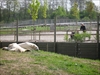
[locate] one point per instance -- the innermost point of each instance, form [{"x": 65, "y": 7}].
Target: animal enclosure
[
  {"x": 83, "y": 50},
  {"x": 26, "y": 31}
]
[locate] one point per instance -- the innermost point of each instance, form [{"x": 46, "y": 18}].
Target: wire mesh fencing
[{"x": 43, "y": 30}]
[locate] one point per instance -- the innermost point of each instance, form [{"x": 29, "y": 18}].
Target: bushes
[
  {"x": 66, "y": 37},
  {"x": 78, "y": 37},
  {"x": 81, "y": 37}
]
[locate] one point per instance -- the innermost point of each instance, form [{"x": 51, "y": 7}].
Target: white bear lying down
[{"x": 22, "y": 47}]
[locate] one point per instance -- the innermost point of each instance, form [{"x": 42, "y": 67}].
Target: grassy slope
[{"x": 45, "y": 63}]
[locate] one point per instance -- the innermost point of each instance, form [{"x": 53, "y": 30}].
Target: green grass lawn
[{"x": 45, "y": 63}]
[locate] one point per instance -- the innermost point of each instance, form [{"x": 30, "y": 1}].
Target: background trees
[
  {"x": 11, "y": 10},
  {"x": 74, "y": 12},
  {"x": 81, "y": 4},
  {"x": 33, "y": 9},
  {"x": 90, "y": 10},
  {"x": 45, "y": 7},
  {"x": 59, "y": 12}
]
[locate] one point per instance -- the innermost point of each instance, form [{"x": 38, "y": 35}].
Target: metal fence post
[
  {"x": 55, "y": 34},
  {"x": 39, "y": 35},
  {"x": 31, "y": 34},
  {"x": 17, "y": 31},
  {"x": 98, "y": 36},
  {"x": 0, "y": 32}
]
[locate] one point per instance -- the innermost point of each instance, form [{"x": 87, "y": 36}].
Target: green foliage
[
  {"x": 93, "y": 15},
  {"x": 44, "y": 11},
  {"x": 40, "y": 16},
  {"x": 78, "y": 37},
  {"x": 60, "y": 12},
  {"x": 90, "y": 8},
  {"x": 84, "y": 14},
  {"x": 87, "y": 15},
  {"x": 15, "y": 11},
  {"x": 81, "y": 37},
  {"x": 86, "y": 19},
  {"x": 66, "y": 37},
  {"x": 33, "y": 9},
  {"x": 74, "y": 12}
]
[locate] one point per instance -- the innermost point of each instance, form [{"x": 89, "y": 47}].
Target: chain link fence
[{"x": 42, "y": 30}]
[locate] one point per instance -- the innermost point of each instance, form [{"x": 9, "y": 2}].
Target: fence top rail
[
  {"x": 48, "y": 22},
  {"x": 44, "y": 30}
]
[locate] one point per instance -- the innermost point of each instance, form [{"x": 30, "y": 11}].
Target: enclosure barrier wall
[{"x": 81, "y": 50}]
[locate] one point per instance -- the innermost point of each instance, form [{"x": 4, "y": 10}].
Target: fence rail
[
  {"x": 81, "y": 50},
  {"x": 42, "y": 36},
  {"x": 41, "y": 22},
  {"x": 44, "y": 30}
]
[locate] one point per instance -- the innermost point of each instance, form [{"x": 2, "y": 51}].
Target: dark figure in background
[
  {"x": 72, "y": 35},
  {"x": 83, "y": 28}
]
